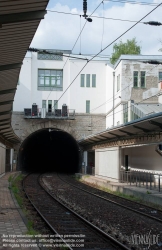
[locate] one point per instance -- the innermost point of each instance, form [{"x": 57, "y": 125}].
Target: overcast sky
[{"x": 60, "y": 31}]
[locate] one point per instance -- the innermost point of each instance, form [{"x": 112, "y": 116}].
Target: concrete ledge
[{"x": 144, "y": 194}]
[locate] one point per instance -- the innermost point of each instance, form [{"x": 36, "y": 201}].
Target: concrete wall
[
  {"x": 144, "y": 157},
  {"x": 107, "y": 163},
  {"x": 2, "y": 158}
]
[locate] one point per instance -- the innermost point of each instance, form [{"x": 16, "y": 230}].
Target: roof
[
  {"x": 148, "y": 124},
  {"x": 138, "y": 58},
  {"x": 19, "y": 20},
  {"x": 146, "y": 109}
]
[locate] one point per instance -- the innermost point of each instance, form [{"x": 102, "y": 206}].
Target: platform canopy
[
  {"x": 19, "y": 20},
  {"x": 148, "y": 125}
]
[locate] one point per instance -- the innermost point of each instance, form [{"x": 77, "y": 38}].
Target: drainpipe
[{"x": 113, "y": 95}]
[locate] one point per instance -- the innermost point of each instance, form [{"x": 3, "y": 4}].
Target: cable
[
  {"x": 72, "y": 50},
  {"x": 109, "y": 18},
  {"x": 132, "y": 2},
  {"x": 80, "y": 35},
  {"x": 107, "y": 47},
  {"x": 103, "y": 24},
  {"x": 126, "y": 31}
]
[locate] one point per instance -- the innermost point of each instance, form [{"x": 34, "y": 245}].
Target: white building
[
  {"x": 134, "y": 89},
  {"x": 124, "y": 92},
  {"x": 45, "y": 77}
]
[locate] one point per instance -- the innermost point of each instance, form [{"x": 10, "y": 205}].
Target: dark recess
[{"x": 49, "y": 150}]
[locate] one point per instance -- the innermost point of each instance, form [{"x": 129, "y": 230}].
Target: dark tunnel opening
[{"x": 49, "y": 150}]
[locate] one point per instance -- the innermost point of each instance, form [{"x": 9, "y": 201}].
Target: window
[
  {"x": 55, "y": 104},
  {"x": 43, "y": 103},
  {"x": 160, "y": 76},
  {"x": 49, "y": 106},
  {"x": 93, "y": 81},
  {"x": 125, "y": 112},
  {"x": 118, "y": 83},
  {"x": 143, "y": 84},
  {"x": 82, "y": 77},
  {"x": 87, "y": 106},
  {"x": 44, "y": 56},
  {"x": 135, "y": 79},
  {"x": 88, "y": 80},
  {"x": 50, "y": 79}
]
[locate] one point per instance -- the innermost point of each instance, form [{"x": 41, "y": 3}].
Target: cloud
[{"x": 60, "y": 31}]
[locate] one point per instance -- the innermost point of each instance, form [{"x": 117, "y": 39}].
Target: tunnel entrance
[{"x": 49, "y": 150}]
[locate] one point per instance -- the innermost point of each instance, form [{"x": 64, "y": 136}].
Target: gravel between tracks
[{"x": 121, "y": 223}]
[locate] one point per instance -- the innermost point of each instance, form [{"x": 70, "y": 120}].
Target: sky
[{"x": 60, "y": 31}]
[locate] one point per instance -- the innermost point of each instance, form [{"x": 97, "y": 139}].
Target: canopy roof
[
  {"x": 19, "y": 20},
  {"x": 146, "y": 125}
]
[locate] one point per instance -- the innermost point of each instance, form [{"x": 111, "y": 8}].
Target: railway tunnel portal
[{"x": 49, "y": 149}]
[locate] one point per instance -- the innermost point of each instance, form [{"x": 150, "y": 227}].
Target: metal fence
[
  {"x": 152, "y": 181},
  {"x": 53, "y": 113}
]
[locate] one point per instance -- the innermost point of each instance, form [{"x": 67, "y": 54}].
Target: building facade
[
  {"x": 50, "y": 81},
  {"x": 135, "y": 88}
]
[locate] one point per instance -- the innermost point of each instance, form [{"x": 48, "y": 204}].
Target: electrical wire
[
  {"x": 127, "y": 31},
  {"x": 109, "y": 18},
  {"x": 74, "y": 47},
  {"x": 132, "y": 2},
  {"x": 103, "y": 25},
  {"x": 107, "y": 47}
]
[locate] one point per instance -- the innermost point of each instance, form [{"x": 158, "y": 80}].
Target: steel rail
[
  {"x": 46, "y": 221},
  {"x": 114, "y": 202},
  {"x": 122, "y": 246}
]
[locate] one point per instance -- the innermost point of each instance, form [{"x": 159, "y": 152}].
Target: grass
[
  {"x": 14, "y": 186},
  {"x": 14, "y": 182}
]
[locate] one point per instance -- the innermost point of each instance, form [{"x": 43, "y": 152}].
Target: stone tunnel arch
[{"x": 49, "y": 149}]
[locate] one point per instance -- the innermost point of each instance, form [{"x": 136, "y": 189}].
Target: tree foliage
[{"x": 128, "y": 48}]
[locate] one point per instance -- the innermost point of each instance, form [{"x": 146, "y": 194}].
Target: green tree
[{"x": 128, "y": 48}]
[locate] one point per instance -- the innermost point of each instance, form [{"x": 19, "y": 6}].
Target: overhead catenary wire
[
  {"x": 132, "y": 2},
  {"x": 77, "y": 41},
  {"x": 109, "y": 18},
  {"x": 103, "y": 25},
  {"x": 107, "y": 47}
]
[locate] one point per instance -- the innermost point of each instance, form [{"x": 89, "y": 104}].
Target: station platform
[
  {"x": 11, "y": 221},
  {"x": 147, "y": 195}
]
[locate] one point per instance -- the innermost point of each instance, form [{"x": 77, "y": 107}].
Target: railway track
[
  {"x": 118, "y": 220},
  {"x": 125, "y": 203},
  {"x": 68, "y": 228}
]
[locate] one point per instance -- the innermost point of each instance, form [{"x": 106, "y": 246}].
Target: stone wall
[{"x": 83, "y": 125}]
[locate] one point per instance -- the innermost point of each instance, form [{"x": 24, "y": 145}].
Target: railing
[
  {"x": 53, "y": 113},
  {"x": 152, "y": 181}
]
